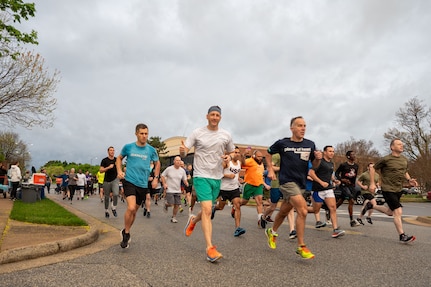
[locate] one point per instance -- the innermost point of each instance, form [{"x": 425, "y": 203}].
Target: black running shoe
[
  {"x": 114, "y": 212},
  {"x": 360, "y": 221},
  {"x": 369, "y": 220},
  {"x": 367, "y": 207},
  {"x": 404, "y": 238},
  {"x": 107, "y": 214},
  {"x": 145, "y": 211},
  {"x": 262, "y": 222},
  {"x": 126, "y": 239}
]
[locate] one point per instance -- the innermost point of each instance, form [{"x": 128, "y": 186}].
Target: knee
[{"x": 302, "y": 212}]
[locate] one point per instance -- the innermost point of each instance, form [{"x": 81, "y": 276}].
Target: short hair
[
  {"x": 349, "y": 152},
  {"x": 140, "y": 127},
  {"x": 294, "y": 119},
  {"x": 110, "y": 147},
  {"x": 393, "y": 140},
  {"x": 326, "y": 147}
]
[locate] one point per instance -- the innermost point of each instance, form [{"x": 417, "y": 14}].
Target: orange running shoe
[
  {"x": 188, "y": 230},
  {"x": 213, "y": 255}
]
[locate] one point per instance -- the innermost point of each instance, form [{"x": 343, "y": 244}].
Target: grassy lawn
[
  {"x": 412, "y": 198},
  {"x": 44, "y": 212}
]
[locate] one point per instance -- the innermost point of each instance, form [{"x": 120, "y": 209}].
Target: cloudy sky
[{"x": 346, "y": 66}]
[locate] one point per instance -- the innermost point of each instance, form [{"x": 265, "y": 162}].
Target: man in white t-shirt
[
  {"x": 211, "y": 144},
  {"x": 229, "y": 190},
  {"x": 171, "y": 181}
]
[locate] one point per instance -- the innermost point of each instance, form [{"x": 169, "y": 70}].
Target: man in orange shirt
[{"x": 253, "y": 179}]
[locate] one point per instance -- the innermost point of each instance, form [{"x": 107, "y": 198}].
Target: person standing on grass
[
  {"x": 15, "y": 177},
  {"x": 211, "y": 144},
  {"x": 139, "y": 156}
]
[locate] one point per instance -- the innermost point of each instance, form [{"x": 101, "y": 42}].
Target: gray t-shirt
[
  {"x": 174, "y": 177},
  {"x": 210, "y": 146}
]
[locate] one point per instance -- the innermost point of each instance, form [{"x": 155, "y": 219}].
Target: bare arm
[
  {"x": 118, "y": 163},
  {"x": 183, "y": 149},
  {"x": 156, "y": 178},
  {"x": 411, "y": 180},
  {"x": 315, "y": 178},
  {"x": 372, "y": 186},
  {"x": 270, "y": 167}
]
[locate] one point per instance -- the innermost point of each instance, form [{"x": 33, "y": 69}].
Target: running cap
[{"x": 214, "y": 109}]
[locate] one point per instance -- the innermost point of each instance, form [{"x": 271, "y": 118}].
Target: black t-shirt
[
  {"x": 324, "y": 172},
  {"x": 110, "y": 174},
  {"x": 294, "y": 158},
  {"x": 347, "y": 171}
]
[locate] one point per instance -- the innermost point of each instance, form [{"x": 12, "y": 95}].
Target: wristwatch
[{"x": 157, "y": 176}]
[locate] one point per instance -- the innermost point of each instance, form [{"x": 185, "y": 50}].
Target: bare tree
[
  {"x": 365, "y": 152},
  {"x": 13, "y": 149},
  {"x": 414, "y": 122},
  {"x": 26, "y": 90}
]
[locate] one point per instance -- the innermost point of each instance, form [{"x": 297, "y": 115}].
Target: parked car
[
  {"x": 429, "y": 195},
  {"x": 411, "y": 190}
]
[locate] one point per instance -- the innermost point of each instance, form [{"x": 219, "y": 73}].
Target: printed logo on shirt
[
  {"x": 304, "y": 152},
  {"x": 142, "y": 156}
]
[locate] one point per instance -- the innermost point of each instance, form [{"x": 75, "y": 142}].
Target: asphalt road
[{"x": 160, "y": 255}]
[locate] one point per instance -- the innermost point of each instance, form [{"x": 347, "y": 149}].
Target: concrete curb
[
  {"x": 424, "y": 219},
  {"x": 50, "y": 248}
]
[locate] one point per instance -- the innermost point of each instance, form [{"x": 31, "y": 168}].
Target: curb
[
  {"x": 424, "y": 219},
  {"x": 50, "y": 248}
]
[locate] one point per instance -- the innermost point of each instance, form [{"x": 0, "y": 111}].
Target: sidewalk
[{"x": 22, "y": 241}]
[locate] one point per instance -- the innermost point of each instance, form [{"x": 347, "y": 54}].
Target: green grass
[
  {"x": 412, "y": 198},
  {"x": 44, "y": 212}
]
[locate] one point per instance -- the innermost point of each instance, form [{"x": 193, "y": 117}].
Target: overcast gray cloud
[{"x": 346, "y": 66}]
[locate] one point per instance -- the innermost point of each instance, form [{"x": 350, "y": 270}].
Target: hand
[
  {"x": 318, "y": 154},
  {"x": 271, "y": 175},
  {"x": 120, "y": 175},
  {"x": 372, "y": 187},
  {"x": 226, "y": 158},
  {"x": 182, "y": 148},
  {"x": 413, "y": 182}
]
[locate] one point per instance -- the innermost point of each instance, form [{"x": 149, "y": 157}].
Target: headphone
[{"x": 254, "y": 153}]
